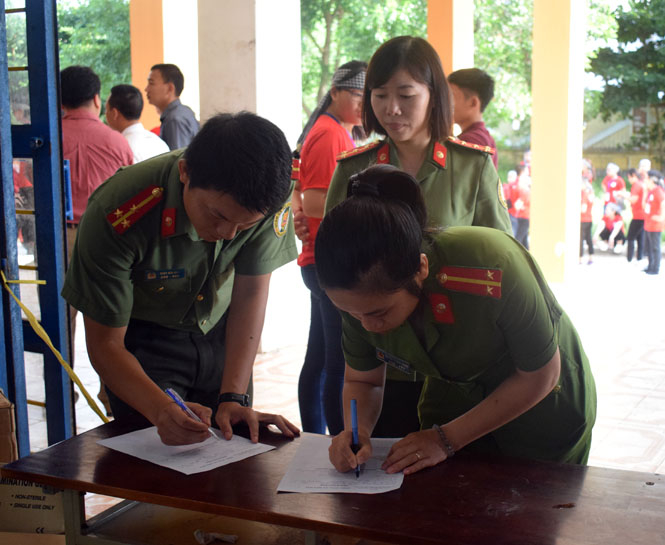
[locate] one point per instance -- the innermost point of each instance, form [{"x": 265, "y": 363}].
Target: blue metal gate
[{"x": 35, "y": 140}]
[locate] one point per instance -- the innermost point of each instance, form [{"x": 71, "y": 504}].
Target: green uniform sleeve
[
  {"x": 272, "y": 245},
  {"x": 359, "y": 352},
  {"x": 338, "y": 187},
  {"x": 529, "y": 312},
  {"x": 98, "y": 281},
  {"x": 491, "y": 209}
]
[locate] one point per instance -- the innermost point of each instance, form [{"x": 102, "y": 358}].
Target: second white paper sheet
[{"x": 311, "y": 471}]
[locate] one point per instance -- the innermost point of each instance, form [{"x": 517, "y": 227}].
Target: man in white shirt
[{"x": 123, "y": 110}]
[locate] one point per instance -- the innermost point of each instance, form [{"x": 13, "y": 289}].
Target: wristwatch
[{"x": 242, "y": 399}]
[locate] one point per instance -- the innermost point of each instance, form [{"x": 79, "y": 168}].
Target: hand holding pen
[{"x": 181, "y": 403}]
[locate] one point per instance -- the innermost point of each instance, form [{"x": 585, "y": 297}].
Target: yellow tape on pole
[{"x": 37, "y": 327}]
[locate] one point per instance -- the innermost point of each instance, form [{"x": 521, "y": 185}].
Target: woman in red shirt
[
  {"x": 654, "y": 222},
  {"x": 328, "y": 132}
]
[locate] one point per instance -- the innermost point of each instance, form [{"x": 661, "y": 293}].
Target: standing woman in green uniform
[
  {"x": 468, "y": 308},
  {"x": 408, "y": 101}
]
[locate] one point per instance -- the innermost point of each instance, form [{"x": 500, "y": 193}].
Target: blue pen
[
  {"x": 355, "y": 446},
  {"x": 180, "y": 403}
]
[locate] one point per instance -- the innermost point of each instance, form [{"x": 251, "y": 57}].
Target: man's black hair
[
  {"x": 171, "y": 74},
  {"x": 244, "y": 156},
  {"x": 632, "y": 172},
  {"x": 128, "y": 100},
  {"x": 78, "y": 85},
  {"x": 476, "y": 81}
]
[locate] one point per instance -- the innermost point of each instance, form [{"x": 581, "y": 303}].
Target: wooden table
[{"x": 466, "y": 500}]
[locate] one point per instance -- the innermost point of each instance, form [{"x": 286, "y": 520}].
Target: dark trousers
[
  {"x": 513, "y": 224},
  {"x": 522, "y": 234},
  {"x": 322, "y": 375},
  {"x": 190, "y": 363},
  {"x": 635, "y": 234},
  {"x": 652, "y": 239},
  {"x": 585, "y": 235},
  {"x": 399, "y": 413}
]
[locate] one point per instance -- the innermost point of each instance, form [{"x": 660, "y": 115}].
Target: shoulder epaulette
[
  {"x": 477, "y": 147},
  {"x": 359, "y": 150},
  {"x": 127, "y": 214},
  {"x": 473, "y": 280}
]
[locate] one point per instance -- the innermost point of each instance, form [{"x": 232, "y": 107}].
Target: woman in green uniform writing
[{"x": 468, "y": 308}]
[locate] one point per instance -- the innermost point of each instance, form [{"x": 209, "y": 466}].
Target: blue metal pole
[{"x": 12, "y": 374}]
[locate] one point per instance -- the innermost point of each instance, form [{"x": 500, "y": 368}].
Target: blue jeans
[{"x": 322, "y": 375}]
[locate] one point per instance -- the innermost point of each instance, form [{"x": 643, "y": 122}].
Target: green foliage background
[
  {"x": 633, "y": 70},
  {"x": 95, "y": 33},
  {"x": 339, "y": 31}
]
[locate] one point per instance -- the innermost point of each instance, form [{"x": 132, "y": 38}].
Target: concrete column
[
  {"x": 164, "y": 31},
  {"x": 450, "y": 31},
  {"x": 556, "y": 134},
  {"x": 249, "y": 59}
]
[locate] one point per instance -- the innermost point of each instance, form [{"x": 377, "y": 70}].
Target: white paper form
[
  {"x": 187, "y": 459},
  {"x": 311, "y": 470}
]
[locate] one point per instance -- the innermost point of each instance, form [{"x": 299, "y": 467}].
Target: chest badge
[{"x": 395, "y": 362}]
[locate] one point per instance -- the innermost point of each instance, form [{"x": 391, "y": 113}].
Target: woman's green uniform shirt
[
  {"x": 461, "y": 187},
  {"x": 488, "y": 339}
]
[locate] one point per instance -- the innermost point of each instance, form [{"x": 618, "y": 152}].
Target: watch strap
[{"x": 226, "y": 397}]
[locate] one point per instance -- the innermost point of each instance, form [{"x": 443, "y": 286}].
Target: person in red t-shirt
[
  {"x": 507, "y": 189},
  {"x": 636, "y": 228},
  {"x": 586, "y": 219},
  {"x": 611, "y": 229},
  {"x": 521, "y": 198},
  {"x": 328, "y": 132},
  {"x": 614, "y": 186},
  {"x": 654, "y": 221}
]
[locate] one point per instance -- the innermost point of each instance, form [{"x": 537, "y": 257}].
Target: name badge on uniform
[
  {"x": 394, "y": 362},
  {"x": 167, "y": 274}
]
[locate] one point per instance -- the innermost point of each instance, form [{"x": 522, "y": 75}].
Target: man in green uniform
[
  {"x": 461, "y": 187},
  {"x": 171, "y": 270}
]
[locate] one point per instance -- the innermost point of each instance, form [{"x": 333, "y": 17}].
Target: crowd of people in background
[{"x": 641, "y": 200}]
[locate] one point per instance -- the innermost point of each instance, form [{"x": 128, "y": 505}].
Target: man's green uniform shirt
[
  {"x": 176, "y": 280},
  {"x": 475, "y": 339}
]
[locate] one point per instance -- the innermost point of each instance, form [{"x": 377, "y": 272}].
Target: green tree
[
  {"x": 633, "y": 70},
  {"x": 338, "y": 31},
  {"x": 503, "y": 32},
  {"x": 503, "y": 42},
  {"x": 95, "y": 33}
]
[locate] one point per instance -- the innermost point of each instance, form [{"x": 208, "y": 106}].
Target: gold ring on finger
[{"x": 418, "y": 455}]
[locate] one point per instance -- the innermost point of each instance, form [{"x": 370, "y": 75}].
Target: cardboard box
[
  {"x": 31, "y": 539},
  {"x": 8, "y": 447},
  {"x": 30, "y": 507}
]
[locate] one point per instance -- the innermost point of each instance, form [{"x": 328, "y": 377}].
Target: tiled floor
[{"x": 618, "y": 310}]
